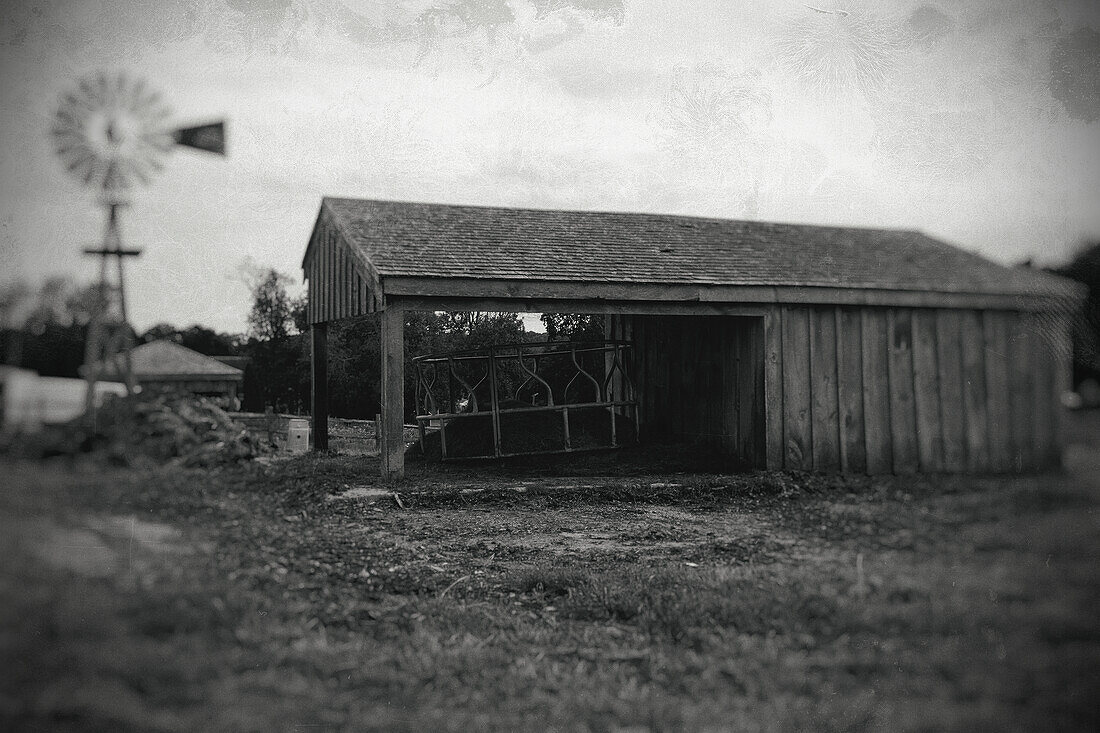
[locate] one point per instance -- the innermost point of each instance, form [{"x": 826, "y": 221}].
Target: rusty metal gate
[{"x": 526, "y": 399}]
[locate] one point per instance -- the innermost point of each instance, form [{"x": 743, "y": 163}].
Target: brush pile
[{"x": 163, "y": 428}]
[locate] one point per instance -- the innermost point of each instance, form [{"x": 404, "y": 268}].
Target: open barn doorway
[
  {"x": 700, "y": 381},
  {"x": 508, "y": 384},
  {"x": 690, "y": 384}
]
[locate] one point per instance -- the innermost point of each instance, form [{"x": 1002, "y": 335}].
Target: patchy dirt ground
[{"x": 303, "y": 594}]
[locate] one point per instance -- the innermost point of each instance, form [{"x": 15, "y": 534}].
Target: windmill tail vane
[{"x": 209, "y": 137}]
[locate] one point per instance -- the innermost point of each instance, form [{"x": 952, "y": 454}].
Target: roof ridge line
[{"x": 621, "y": 212}]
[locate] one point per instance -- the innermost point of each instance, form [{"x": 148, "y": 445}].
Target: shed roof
[
  {"x": 418, "y": 240},
  {"x": 164, "y": 360}
]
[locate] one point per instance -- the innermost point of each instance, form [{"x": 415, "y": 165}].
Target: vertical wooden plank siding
[
  {"x": 327, "y": 276},
  {"x": 641, "y": 377},
  {"x": 727, "y": 413},
  {"x": 849, "y": 351},
  {"x": 675, "y": 376},
  {"x": 747, "y": 358},
  {"x": 334, "y": 280},
  {"x": 688, "y": 345},
  {"x": 797, "y": 435},
  {"x": 773, "y": 388},
  {"x": 393, "y": 393},
  {"x": 824, "y": 418},
  {"x": 996, "y": 355},
  {"x": 353, "y": 290},
  {"x": 700, "y": 397},
  {"x": 316, "y": 273},
  {"x": 974, "y": 391},
  {"x": 1047, "y": 397},
  {"x": 926, "y": 391},
  {"x": 643, "y": 336},
  {"x": 685, "y": 389},
  {"x": 345, "y": 283},
  {"x": 719, "y": 381},
  {"x": 311, "y": 289},
  {"x": 1021, "y": 391},
  {"x": 661, "y": 356},
  {"x": 337, "y": 282},
  {"x": 342, "y": 283},
  {"x": 952, "y": 406},
  {"x": 875, "y": 346},
  {"x": 731, "y": 383},
  {"x": 332, "y": 286},
  {"x": 759, "y": 454},
  {"x": 337, "y": 291},
  {"x": 322, "y": 276},
  {"x": 1063, "y": 381},
  {"x": 348, "y": 285},
  {"x": 314, "y": 282},
  {"x": 903, "y": 417},
  {"x": 701, "y": 380},
  {"x": 360, "y": 305},
  {"x": 336, "y": 288},
  {"x": 319, "y": 274}
]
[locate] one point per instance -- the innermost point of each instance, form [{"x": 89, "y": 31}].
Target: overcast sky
[{"x": 977, "y": 121}]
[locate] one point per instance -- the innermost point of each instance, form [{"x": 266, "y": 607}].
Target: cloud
[
  {"x": 944, "y": 116},
  {"x": 1075, "y": 73}
]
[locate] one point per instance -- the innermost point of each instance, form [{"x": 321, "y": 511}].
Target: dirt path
[{"x": 101, "y": 546}]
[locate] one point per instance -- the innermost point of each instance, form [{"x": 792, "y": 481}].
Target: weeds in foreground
[
  {"x": 973, "y": 605},
  {"x": 681, "y": 604}
]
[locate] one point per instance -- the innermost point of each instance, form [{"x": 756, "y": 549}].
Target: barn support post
[
  {"x": 392, "y": 451},
  {"x": 318, "y": 392}
]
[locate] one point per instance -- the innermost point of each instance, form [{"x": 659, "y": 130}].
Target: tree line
[{"x": 45, "y": 329}]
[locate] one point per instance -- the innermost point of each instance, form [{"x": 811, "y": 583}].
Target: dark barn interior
[{"x": 700, "y": 381}]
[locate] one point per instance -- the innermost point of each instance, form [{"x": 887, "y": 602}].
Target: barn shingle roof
[{"x": 402, "y": 239}]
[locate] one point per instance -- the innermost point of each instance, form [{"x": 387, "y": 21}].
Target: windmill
[{"x": 112, "y": 132}]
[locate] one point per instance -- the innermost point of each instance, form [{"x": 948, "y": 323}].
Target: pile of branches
[{"x": 161, "y": 428}]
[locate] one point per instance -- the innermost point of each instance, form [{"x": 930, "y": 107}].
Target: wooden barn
[{"x": 791, "y": 346}]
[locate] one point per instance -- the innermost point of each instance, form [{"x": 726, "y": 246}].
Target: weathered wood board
[
  {"x": 997, "y": 357},
  {"x": 949, "y": 361},
  {"x": 926, "y": 391},
  {"x": 773, "y": 388},
  {"x": 875, "y": 347},
  {"x": 797, "y": 435},
  {"x": 853, "y": 448},
  {"x": 903, "y": 417},
  {"x": 823, "y": 368},
  {"x": 974, "y": 392}
]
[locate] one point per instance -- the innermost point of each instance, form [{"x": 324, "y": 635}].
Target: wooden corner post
[
  {"x": 392, "y": 450},
  {"x": 318, "y": 392}
]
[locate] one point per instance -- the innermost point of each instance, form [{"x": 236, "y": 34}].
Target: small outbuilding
[
  {"x": 790, "y": 346},
  {"x": 166, "y": 365}
]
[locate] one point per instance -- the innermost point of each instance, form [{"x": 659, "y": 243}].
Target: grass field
[{"x": 302, "y": 595}]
